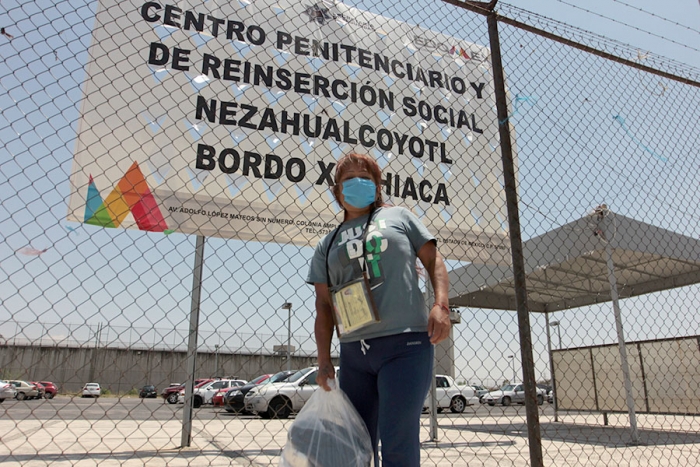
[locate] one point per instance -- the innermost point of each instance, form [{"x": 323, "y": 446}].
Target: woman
[{"x": 386, "y": 365}]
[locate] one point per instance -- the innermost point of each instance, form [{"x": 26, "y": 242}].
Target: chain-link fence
[{"x": 167, "y": 171}]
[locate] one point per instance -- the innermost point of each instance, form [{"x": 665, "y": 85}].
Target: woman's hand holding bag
[{"x": 327, "y": 432}]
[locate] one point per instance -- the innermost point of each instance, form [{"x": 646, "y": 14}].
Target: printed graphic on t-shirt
[{"x": 350, "y": 252}]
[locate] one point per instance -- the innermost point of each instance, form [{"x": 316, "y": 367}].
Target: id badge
[{"x": 353, "y": 307}]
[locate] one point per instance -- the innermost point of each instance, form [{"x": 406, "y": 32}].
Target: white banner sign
[{"x": 227, "y": 118}]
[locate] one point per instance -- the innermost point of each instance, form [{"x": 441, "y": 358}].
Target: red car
[
  {"x": 172, "y": 392},
  {"x": 168, "y": 392},
  {"x": 50, "y": 389},
  {"x": 218, "y": 399}
]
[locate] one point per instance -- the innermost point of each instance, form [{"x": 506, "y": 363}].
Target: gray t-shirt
[{"x": 394, "y": 237}]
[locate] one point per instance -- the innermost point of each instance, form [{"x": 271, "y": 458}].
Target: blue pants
[{"x": 387, "y": 379}]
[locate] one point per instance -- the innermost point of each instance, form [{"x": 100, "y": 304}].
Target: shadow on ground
[
  {"x": 466, "y": 444},
  {"x": 608, "y": 436},
  {"x": 141, "y": 456}
]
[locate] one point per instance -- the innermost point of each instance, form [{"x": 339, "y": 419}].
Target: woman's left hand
[
  {"x": 439, "y": 324},
  {"x": 439, "y": 318}
]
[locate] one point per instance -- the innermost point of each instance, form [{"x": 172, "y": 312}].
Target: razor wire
[{"x": 224, "y": 120}]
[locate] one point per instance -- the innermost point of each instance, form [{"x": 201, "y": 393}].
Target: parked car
[
  {"x": 548, "y": 395},
  {"x": 234, "y": 400},
  {"x": 148, "y": 392},
  {"x": 510, "y": 394},
  {"x": 24, "y": 390},
  {"x": 279, "y": 400},
  {"x": 218, "y": 399},
  {"x": 205, "y": 393},
  {"x": 92, "y": 390},
  {"x": 172, "y": 392},
  {"x": 50, "y": 388},
  {"x": 450, "y": 396},
  {"x": 7, "y": 391},
  {"x": 479, "y": 391},
  {"x": 40, "y": 390}
]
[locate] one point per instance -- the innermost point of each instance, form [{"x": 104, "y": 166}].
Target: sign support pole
[
  {"x": 432, "y": 406},
  {"x": 186, "y": 439}
]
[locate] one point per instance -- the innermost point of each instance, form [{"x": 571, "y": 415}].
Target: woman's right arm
[{"x": 323, "y": 329}]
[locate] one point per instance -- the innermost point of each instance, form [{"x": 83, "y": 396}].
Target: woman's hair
[{"x": 363, "y": 161}]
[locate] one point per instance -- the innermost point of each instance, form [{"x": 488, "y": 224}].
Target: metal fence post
[{"x": 531, "y": 408}]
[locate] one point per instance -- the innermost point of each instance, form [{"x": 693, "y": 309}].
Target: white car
[
  {"x": 205, "y": 394},
  {"x": 7, "y": 391},
  {"x": 451, "y": 396},
  {"x": 91, "y": 390},
  {"x": 511, "y": 394},
  {"x": 279, "y": 400}
]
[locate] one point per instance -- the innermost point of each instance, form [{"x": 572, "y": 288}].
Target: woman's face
[{"x": 355, "y": 171}]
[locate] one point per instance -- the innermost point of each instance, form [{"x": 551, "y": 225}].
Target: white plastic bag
[{"x": 327, "y": 432}]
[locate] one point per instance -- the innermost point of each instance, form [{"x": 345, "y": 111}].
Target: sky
[{"x": 572, "y": 156}]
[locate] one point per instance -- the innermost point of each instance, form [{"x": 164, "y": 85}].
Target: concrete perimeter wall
[{"x": 120, "y": 370}]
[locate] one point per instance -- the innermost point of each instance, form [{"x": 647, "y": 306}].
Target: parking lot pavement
[{"x": 133, "y": 432}]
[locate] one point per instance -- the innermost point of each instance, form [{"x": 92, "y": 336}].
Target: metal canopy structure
[
  {"x": 566, "y": 267},
  {"x": 599, "y": 258}
]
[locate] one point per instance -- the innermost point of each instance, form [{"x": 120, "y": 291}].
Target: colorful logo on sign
[
  {"x": 460, "y": 52},
  {"x": 131, "y": 195}
]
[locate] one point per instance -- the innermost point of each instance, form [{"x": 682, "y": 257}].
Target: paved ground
[{"x": 133, "y": 432}]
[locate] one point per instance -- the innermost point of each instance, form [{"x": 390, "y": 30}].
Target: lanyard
[{"x": 364, "y": 247}]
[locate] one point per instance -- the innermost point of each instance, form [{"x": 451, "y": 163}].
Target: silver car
[
  {"x": 510, "y": 394},
  {"x": 24, "y": 390},
  {"x": 279, "y": 400},
  {"x": 7, "y": 391},
  {"x": 479, "y": 391}
]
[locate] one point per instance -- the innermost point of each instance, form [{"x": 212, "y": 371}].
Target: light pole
[
  {"x": 552, "y": 373},
  {"x": 288, "y": 306},
  {"x": 512, "y": 359},
  {"x": 556, "y": 324},
  {"x": 216, "y": 360}
]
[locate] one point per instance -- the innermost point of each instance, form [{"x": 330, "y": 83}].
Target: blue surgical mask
[{"x": 359, "y": 192}]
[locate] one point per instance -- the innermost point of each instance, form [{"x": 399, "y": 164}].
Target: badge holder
[{"x": 353, "y": 306}]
